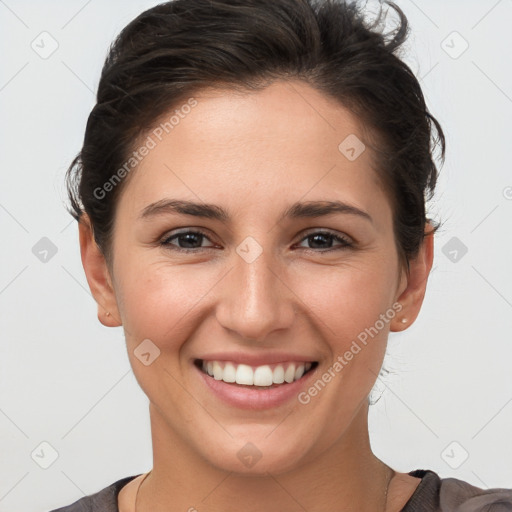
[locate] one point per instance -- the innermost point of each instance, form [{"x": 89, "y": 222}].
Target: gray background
[{"x": 65, "y": 380}]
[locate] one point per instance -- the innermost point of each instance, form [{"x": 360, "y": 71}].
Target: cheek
[
  {"x": 352, "y": 311},
  {"x": 347, "y": 299},
  {"x": 158, "y": 299}
]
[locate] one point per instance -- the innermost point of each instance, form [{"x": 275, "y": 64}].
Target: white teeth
[
  {"x": 289, "y": 374},
  {"x": 278, "y": 375},
  {"x": 299, "y": 372},
  {"x": 217, "y": 370},
  {"x": 244, "y": 375},
  {"x": 229, "y": 373},
  {"x": 262, "y": 376}
]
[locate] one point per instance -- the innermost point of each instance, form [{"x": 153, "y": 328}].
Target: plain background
[{"x": 65, "y": 380}]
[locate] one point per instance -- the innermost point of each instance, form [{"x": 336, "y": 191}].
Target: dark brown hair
[{"x": 173, "y": 50}]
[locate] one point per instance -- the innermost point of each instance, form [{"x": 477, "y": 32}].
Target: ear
[
  {"x": 413, "y": 285},
  {"x": 98, "y": 275}
]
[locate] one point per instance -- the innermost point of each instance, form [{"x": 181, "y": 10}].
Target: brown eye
[
  {"x": 324, "y": 239},
  {"x": 187, "y": 240}
]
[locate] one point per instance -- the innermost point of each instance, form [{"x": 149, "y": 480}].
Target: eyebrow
[{"x": 309, "y": 209}]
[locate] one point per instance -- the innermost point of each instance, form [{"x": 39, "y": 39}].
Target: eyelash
[{"x": 346, "y": 244}]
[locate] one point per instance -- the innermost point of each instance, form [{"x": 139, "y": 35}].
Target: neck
[{"x": 347, "y": 476}]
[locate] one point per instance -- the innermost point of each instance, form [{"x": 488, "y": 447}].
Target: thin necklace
[
  {"x": 138, "y": 489},
  {"x": 392, "y": 473}
]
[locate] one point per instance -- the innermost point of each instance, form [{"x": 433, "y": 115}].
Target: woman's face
[{"x": 266, "y": 283}]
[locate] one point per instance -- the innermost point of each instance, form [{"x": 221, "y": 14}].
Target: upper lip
[{"x": 257, "y": 359}]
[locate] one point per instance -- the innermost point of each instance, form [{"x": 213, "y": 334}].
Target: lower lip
[{"x": 248, "y": 397}]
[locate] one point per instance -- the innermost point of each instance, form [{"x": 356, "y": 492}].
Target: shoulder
[
  {"x": 461, "y": 496},
  {"x": 435, "y": 494},
  {"x": 104, "y": 500}
]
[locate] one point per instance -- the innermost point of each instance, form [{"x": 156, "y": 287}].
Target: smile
[{"x": 260, "y": 377}]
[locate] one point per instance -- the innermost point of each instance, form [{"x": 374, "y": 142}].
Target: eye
[
  {"x": 191, "y": 241},
  {"x": 322, "y": 238},
  {"x": 188, "y": 240}
]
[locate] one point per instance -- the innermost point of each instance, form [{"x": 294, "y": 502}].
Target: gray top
[{"x": 433, "y": 494}]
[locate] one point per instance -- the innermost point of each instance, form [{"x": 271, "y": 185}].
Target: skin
[{"x": 255, "y": 154}]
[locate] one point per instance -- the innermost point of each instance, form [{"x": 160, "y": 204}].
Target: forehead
[
  {"x": 287, "y": 141},
  {"x": 279, "y": 117}
]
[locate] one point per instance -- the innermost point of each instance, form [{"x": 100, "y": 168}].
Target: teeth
[
  {"x": 217, "y": 371},
  {"x": 289, "y": 374},
  {"x": 278, "y": 374},
  {"x": 262, "y": 376},
  {"x": 244, "y": 375},
  {"x": 229, "y": 374},
  {"x": 299, "y": 372}
]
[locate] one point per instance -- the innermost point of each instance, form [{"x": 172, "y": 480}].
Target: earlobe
[
  {"x": 411, "y": 298},
  {"x": 97, "y": 274}
]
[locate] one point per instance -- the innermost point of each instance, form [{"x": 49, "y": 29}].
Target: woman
[{"x": 251, "y": 204}]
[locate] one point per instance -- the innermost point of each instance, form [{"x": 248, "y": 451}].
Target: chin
[{"x": 260, "y": 456}]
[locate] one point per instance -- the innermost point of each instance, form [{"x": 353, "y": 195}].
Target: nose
[{"x": 255, "y": 300}]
